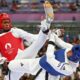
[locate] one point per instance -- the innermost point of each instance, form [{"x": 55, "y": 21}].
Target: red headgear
[{"x": 4, "y": 16}]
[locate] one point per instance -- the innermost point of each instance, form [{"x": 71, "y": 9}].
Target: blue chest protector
[{"x": 60, "y": 56}]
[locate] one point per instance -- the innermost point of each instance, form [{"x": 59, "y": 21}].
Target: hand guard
[
  {"x": 2, "y": 60},
  {"x": 44, "y": 25}
]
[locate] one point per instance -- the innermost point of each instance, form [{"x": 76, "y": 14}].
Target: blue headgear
[{"x": 75, "y": 53}]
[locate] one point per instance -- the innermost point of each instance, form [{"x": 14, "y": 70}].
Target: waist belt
[{"x": 40, "y": 70}]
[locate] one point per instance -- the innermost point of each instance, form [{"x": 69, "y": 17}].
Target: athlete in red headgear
[
  {"x": 11, "y": 39},
  {"x": 4, "y": 18}
]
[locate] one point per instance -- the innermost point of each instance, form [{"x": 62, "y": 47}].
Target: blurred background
[{"x": 27, "y": 14}]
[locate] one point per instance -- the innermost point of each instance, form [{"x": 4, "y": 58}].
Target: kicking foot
[{"x": 48, "y": 11}]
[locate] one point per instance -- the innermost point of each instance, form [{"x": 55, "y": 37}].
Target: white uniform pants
[{"x": 31, "y": 66}]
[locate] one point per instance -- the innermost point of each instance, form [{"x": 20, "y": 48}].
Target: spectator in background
[
  {"x": 73, "y": 6},
  {"x": 78, "y": 3},
  {"x": 14, "y": 6},
  {"x": 75, "y": 40},
  {"x": 68, "y": 38},
  {"x": 3, "y": 3},
  {"x": 57, "y": 6}
]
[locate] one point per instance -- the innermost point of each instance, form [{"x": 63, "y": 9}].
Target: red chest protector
[{"x": 9, "y": 45}]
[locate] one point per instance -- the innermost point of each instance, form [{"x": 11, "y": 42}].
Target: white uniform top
[{"x": 19, "y": 33}]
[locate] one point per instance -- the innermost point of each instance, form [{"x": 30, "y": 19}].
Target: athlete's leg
[
  {"x": 20, "y": 66},
  {"x": 32, "y": 50}
]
